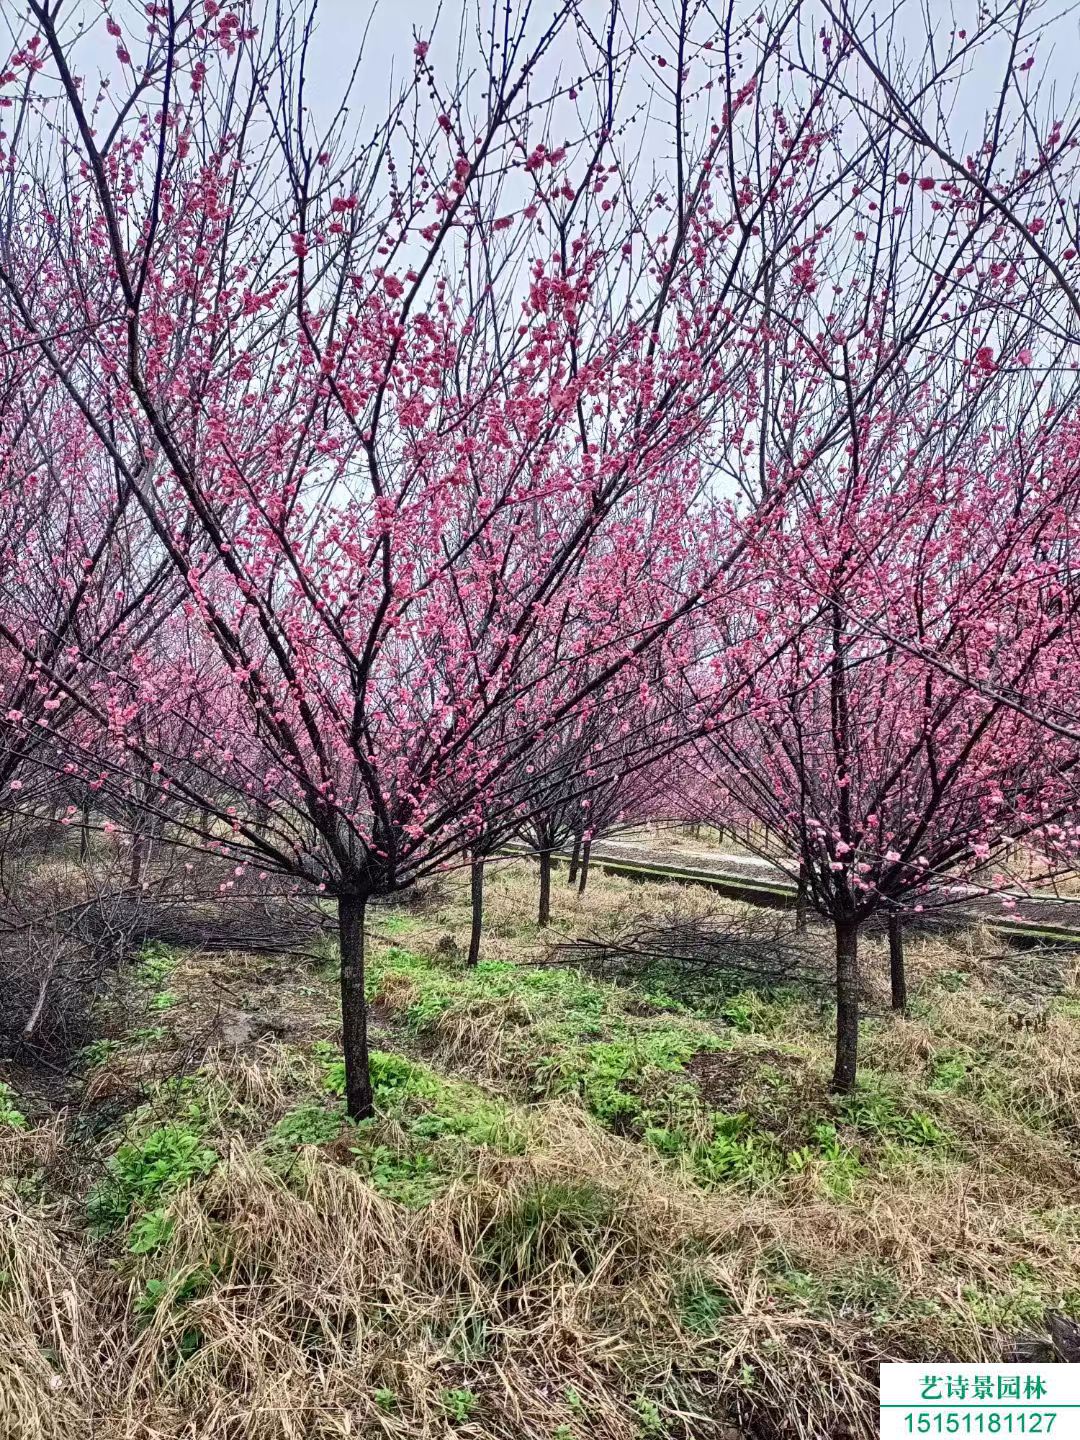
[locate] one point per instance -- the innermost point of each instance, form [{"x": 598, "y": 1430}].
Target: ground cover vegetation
[
  {"x": 637, "y": 417},
  {"x": 583, "y": 1207}
]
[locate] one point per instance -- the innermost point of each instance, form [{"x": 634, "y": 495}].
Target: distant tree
[
  {"x": 82, "y": 588},
  {"x": 583, "y": 779}
]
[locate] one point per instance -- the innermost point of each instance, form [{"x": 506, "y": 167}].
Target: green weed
[
  {"x": 876, "y": 1111},
  {"x": 11, "y": 1117},
  {"x": 396, "y": 924},
  {"x": 306, "y": 1125},
  {"x": 1019, "y": 1308},
  {"x": 412, "y": 1179},
  {"x": 702, "y": 1305},
  {"x": 839, "y": 1165},
  {"x": 950, "y": 1070},
  {"x": 458, "y": 1405},
  {"x": 147, "y": 1035},
  {"x": 142, "y": 1172},
  {"x": 149, "y": 1232},
  {"x": 97, "y": 1052},
  {"x": 735, "y": 1153},
  {"x": 752, "y": 1013},
  {"x": 951, "y": 980},
  {"x": 630, "y": 1083},
  {"x": 182, "y": 1289},
  {"x": 648, "y": 1414},
  {"x": 553, "y": 1221},
  {"x": 431, "y": 1112},
  {"x": 156, "y": 963}
]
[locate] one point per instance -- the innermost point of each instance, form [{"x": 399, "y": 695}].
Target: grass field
[{"x": 584, "y": 1209}]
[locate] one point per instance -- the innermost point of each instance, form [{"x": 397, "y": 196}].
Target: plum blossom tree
[
  {"x": 583, "y": 772},
  {"x": 630, "y": 795},
  {"x": 406, "y": 416},
  {"x": 398, "y": 412},
  {"x": 81, "y": 589},
  {"x": 927, "y": 589}
]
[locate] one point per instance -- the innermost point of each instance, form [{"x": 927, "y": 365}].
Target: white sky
[{"x": 386, "y": 30}]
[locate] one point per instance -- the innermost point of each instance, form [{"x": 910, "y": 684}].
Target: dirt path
[{"x": 1027, "y": 909}]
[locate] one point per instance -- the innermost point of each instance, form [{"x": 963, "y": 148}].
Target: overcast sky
[{"x": 385, "y": 31}]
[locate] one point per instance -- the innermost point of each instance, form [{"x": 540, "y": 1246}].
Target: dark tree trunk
[
  {"x": 802, "y": 895},
  {"x": 847, "y": 1005},
  {"x": 575, "y": 856},
  {"x": 545, "y": 887},
  {"x": 358, "y": 1099},
  {"x": 584, "y": 867},
  {"x": 138, "y": 855},
  {"x": 476, "y": 886},
  {"x": 897, "y": 973},
  {"x": 84, "y": 834}
]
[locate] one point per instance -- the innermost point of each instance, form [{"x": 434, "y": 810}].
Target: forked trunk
[
  {"x": 584, "y": 866},
  {"x": 847, "y": 1005},
  {"x": 476, "y": 886},
  {"x": 358, "y": 1098},
  {"x": 897, "y": 972},
  {"x": 575, "y": 856},
  {"x": 545, "y": 887}
]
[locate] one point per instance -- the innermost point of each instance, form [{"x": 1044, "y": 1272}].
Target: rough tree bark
[
  {"x": 575, "y": 856},
  {"x": 847, "y": 1005},
  {"x": 354, "y": 1045},
  {"x": 138, "y": 855},
  {"x": 584, "y": 866},
  {"x": 897, "y": 973},
  {"x": 545, "y": 887},
  {"x": 476, "y": 887}
]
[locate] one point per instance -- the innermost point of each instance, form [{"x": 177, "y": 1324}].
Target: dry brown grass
[
  {"x": 52, "y": 1335},
  {"x": 326, "y": 1294},
  {"x": 291, "y": 1300}
]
